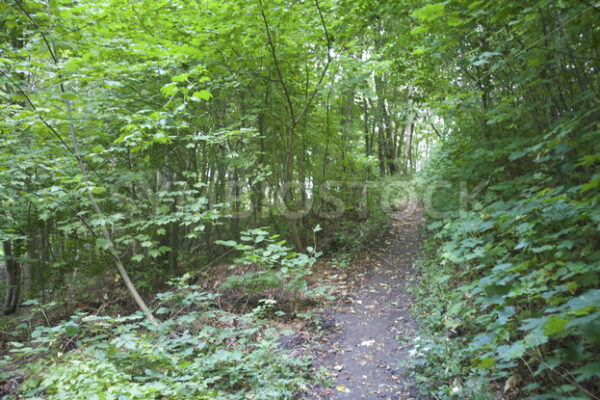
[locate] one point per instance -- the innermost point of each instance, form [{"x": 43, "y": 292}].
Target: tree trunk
[
  {"x": 407, "y": 149},
  {"x": 13, "y": 279},
  {"x": 382, "y": 150},
  {"x": 28, "y": 273},
  {"x": 366, "y": 121}
]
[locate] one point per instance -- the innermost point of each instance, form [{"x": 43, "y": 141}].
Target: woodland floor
[
  {"x": 366, "y": 332},
  {"x": 369, "y": 327}
]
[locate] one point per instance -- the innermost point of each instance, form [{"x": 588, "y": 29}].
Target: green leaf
[
  {"x": 587, "y": 371},
  {"x": 112, "y": 351},
  {"x": 71, "y": 329},
  {"x": 180, "y": 78},
  {"x": 170, "y": 89},
  {"x": 430, "y": 12},
  {"x": 554, "y": 325},
  {"x": 103, "y": 244},
  {"x": 454, "y": 20},
  {"x": 486, "y": 363},
  {"x": 505, "y": 314},
  {"x": 160, "y": 137},
  {"x": 229, "y": 243},
  {"x": 202, "y": 95},
  {"x": 584, "y": 303}
]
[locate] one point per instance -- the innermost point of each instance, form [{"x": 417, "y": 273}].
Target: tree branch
[
  {"x": 141, "y": 21},
  {"x": 277, "y": 67},
  {"x": 50, "y": 49},
  {"x": 435, "y": 130},
  {"x": 592, "y": 5},
  {"x": 312, "y": 96},
  {"x": 54, "y": 132}
]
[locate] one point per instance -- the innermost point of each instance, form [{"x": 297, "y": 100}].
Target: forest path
[{"x": 372, "y": 326}]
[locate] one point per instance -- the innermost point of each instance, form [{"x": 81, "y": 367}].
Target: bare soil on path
[{"x": 371, "y": 329}]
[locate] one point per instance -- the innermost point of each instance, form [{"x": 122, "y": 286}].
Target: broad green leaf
[
  {"x": 554, "y": 325},
  {"x": 202, "y": 95},
  {"x": 430, "y": 12},
  {"x": 71, "y": 329},
  {"x": 103, "y": 244}
]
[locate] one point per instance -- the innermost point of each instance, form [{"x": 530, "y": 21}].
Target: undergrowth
[
  {"x": 508, "y": 298},
  {"x": 194, "y": 349}
]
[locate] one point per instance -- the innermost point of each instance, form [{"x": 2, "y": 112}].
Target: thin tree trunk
[
  {"x": 380, "y": 151},
  {"x": 287, "y": 176},
  {"x": 259, "y": 187},
  {"x": 576, "y": 65},
  {"x": 13, "y": 279},
  {"x": 407, "y": 149},
  {"x": 28, "y": 273},
  {"x": 366, "y": 121},
  {"x": 381, "y": 131}
]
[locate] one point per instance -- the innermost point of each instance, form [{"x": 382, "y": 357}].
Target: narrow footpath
[{"x": 372, "y": 329}]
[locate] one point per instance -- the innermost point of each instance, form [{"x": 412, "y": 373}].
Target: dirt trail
[{"x": 372, "y": 328}]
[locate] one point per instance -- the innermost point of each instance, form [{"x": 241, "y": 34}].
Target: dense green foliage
[
  {"x": 512, "y": 255},
  {"x": 197, "y": 352},
  {"x": 193, "y": 121},
  {"x": 273, "y": 264},
  {"x": 142, "y": 140}
]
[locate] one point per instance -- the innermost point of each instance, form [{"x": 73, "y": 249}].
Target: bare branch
[{"x": 324, "y": 29}]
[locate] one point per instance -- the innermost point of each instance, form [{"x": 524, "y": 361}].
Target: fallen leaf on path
[{"x": 342, "y": 388}]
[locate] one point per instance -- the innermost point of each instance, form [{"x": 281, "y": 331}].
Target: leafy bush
[{"x": 269, "y": 264}]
